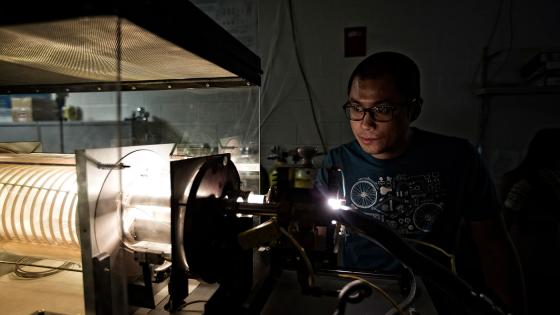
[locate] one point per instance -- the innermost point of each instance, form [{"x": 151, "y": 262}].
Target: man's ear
[{"x": 415, "y": 108}]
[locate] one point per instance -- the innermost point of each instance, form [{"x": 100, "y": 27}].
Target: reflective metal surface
[{"x": 38, "y": 208}]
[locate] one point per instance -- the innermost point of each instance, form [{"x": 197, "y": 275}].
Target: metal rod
[{"x": 256, "y": 208}]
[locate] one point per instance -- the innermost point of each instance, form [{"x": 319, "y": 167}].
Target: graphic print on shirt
[{"x": 408, "y": 204}]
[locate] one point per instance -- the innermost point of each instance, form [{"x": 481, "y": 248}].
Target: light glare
[
  {"x": 334, "y": 203},
  {"x": 254, "y": 198}
]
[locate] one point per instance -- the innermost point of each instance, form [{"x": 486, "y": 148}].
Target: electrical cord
[
  {"x": 353, "y": 292},
  {"x": 301, "y": 250},
  {"x": 439, "y": 249},
  {"x": 489, "y": 41},
  {"x": 411, "y": 295},
  {"x": 304, "y": 76},
  {"x": 194, "y": 302},
  {"x": 378, "y": 289},
  {"x": 412, "y": 292},
  {"x": 510, "y": 45},
  {"x": 21, "y": 273},
  {"x": 419, "y": 262}
]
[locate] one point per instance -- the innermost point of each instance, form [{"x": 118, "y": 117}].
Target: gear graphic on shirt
[
  {"x": 425, "y": 216},
  {"x": 363, "y": 193}
]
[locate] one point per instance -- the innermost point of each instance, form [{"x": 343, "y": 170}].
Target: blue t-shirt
[{"x": 422, "y": 194}]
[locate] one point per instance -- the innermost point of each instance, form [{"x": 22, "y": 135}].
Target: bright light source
[
  {"x": 239, "y": 199},
  {"x": 337, "y": 204},
  {"x": 254, "y": 198},
  {"x": 334, "y": 203},
  {"x": 333, "y": 222}
]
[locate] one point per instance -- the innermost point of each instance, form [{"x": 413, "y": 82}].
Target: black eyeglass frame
[{"x": 374, "y": 110}]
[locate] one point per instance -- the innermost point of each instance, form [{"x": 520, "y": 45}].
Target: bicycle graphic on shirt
[{"x": 409, "y": 204}]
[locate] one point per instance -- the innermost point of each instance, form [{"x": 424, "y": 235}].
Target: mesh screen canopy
[{"x": 85, "y": 50}]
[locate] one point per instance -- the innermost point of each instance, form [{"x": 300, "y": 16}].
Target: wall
[{"x": 446, "y": 38}]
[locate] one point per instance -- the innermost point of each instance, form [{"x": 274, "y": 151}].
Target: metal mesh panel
[{"x": 84, "y": 50}]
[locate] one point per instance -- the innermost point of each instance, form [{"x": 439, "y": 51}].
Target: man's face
[{"x": 383, "y": 140}]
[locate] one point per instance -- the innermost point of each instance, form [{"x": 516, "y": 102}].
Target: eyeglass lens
[{"x": 378, "y": 113}]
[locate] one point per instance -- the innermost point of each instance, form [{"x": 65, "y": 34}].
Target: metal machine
[{"x": 154, "y": 230}]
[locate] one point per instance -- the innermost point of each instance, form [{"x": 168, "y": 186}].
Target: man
[{"x": 421, "y": 184}]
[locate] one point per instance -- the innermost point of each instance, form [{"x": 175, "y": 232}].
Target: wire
[
  {"x": 439, "y": 249},
  {"x": 195, "y": 302},
  {"x": 413, "y": 292},
  {"x": 420, "y": 262},
  {"x": 510, "y": 45},
  {"x": 301, "y": 250},
  {"x": 489, "y": 41},
  {"x": 495, "y": 26},
  {"x": 404, "y": 304},
  {"x": 485, "y": 109},
  {"x": 377, "y": 288},
  {"x": 408, "y": 300},
  {"x": 304, "y": 76},
  {"x": 19, "y": 272}
]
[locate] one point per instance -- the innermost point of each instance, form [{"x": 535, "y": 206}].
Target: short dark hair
[{"x": 404, "y": 71}]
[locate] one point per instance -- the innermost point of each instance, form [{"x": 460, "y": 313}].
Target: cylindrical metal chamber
[{"x": 38, "y": 210}]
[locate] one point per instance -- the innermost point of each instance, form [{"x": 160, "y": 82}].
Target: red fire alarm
[{"x": 355, "y": 41}]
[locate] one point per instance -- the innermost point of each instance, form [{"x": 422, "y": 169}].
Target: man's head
[{"x": 383, "y": 99}]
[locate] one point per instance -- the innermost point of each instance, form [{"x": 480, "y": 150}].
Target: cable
[
  {"x": 7, "y": 150},
  {"x": 19, "y": 272},
  {"x": 510, "y": 45},
  {"x": 404, "y": 304},
  {"x": 495, "y": 26},
  {"x": 270, "y": 61},
  {"x": 489, "y": 41},
  {"x": 420, "y": 263},
  {"x": 304, "y": 76},
  {"x": 194, "y": 302},
  {"x": 301, "y": 250},
  {"x": 485, "y": 109},
  {"x": 378, "y": 289},
  {"x": 439, "y": 249},
  {"x": 412, "y": 293},
  {"x": 352, "y": 292}
]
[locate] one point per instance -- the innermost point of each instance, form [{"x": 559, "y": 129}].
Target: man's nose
[{"x": 368, "y": 121}]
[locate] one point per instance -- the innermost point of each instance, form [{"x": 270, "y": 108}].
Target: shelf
[
  {"x": 517, "y": 90},
  {"x": 64, "y": 123}
]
